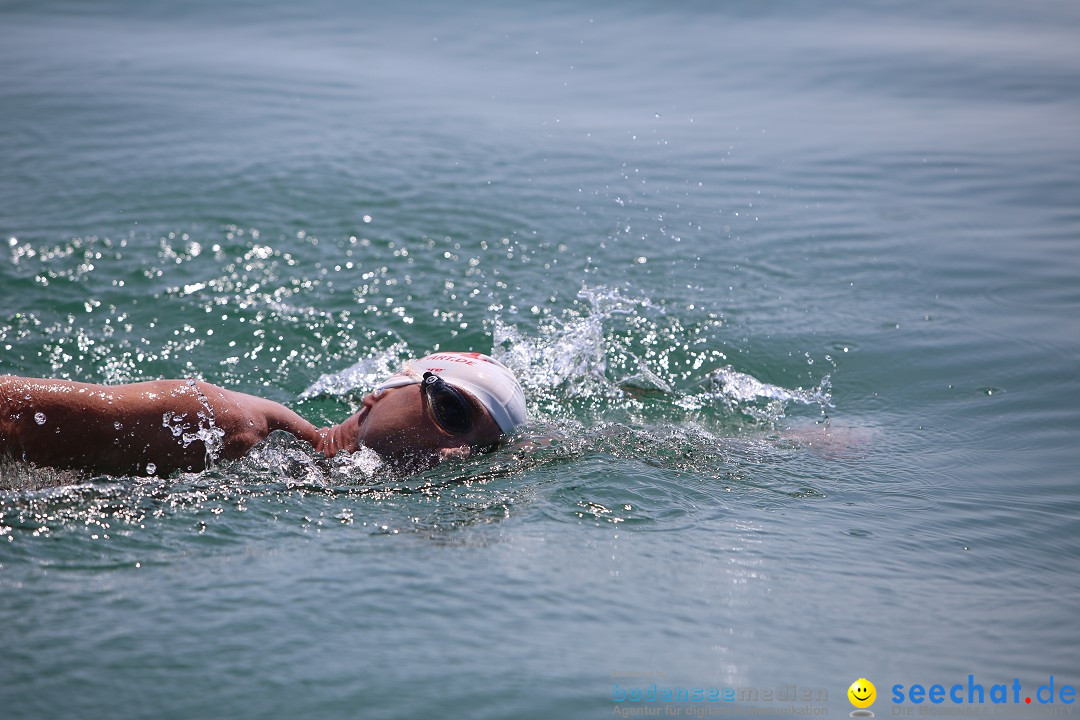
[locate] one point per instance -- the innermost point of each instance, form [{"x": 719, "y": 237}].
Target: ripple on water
[
  {"x": 669, "y": 441},
  {"x": 658, "y": 479}
]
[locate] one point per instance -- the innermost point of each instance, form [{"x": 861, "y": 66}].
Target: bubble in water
[
  {"x": 118, "y": 425},
  {"x": 39, "y": 418},
  {"x": 151, "y": 468}
]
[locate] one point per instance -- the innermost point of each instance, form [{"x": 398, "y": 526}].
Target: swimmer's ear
[{"x": 459, "y": 452}]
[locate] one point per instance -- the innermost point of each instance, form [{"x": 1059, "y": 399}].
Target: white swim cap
[{"x": 487, "y": 379}]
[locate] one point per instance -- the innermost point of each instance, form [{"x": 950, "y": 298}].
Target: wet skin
[{"x": 123, "y": 429}]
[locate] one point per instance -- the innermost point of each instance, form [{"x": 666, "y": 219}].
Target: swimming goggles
[{"x": 450, "y": 408}]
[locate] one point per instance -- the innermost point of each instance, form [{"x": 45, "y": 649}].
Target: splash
[
  {"x": 366, "y": 373},
  {"x": 610, "y": 353},
  {"x": 206, "y": 430},
  {"x": 283, "y": 458},
  {"x": 743, "y": 393},
  {"x": 613, "y": 352},
  {"x": 577, "y": 354},
  {"x": 740, "y": 387}
]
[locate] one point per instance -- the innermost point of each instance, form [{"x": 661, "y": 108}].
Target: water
[{"x": 792, "y": 290}]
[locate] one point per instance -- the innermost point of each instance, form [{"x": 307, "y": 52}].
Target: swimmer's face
[{"x": 401, "y": 425}]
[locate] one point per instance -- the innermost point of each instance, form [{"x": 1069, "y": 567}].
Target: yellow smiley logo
[{"x": 862, "y": 693}]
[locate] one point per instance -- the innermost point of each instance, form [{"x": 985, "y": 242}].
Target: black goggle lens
[{"x": 452, "y": 410}]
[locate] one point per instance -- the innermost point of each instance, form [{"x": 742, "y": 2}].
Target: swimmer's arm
[
  {"x": 255, "y": 418},
  {"x": 125, "y": 428},
  {"x": 99, "y": 428},
  {"x": 275, "y": 416}
]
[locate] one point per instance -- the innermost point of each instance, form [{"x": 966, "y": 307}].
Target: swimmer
[{"x": 449, "y": 404}]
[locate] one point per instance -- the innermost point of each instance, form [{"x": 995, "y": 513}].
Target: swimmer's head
[
  {"x": 443, "y": 405},
  {"x": 487, "y": 379}
]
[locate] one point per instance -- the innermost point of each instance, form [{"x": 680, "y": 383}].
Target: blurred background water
[{"x": 792, "y": 286}]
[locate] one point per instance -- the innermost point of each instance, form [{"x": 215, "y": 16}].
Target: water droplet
[
  {"x": 118, "y": 425},
  {"x": 151, "y": 468},
  {"x": 39, "y": 418}
]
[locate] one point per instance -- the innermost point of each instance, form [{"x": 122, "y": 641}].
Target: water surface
[{"x": 792, "y": 288}]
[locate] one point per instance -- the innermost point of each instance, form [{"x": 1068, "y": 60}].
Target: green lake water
[{"x": 793, "y": 289}]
